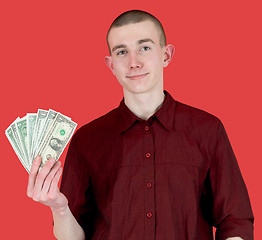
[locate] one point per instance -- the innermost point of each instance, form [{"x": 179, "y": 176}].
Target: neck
[{"x": 144, "y": 105}]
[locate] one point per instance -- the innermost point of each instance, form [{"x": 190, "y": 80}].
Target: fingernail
[{"x": 51, "y": 160}]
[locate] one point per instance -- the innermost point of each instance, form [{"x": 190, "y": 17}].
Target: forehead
[{"x": 131, "y": 33}]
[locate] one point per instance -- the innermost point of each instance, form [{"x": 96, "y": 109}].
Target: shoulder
[
  {"x": 98, "y": 127},
  {"x": 192, "y": 117},
  {"x": 198, "y": 126}
]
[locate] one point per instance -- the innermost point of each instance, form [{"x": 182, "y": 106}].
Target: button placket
[{"x": 149, "y": 172}]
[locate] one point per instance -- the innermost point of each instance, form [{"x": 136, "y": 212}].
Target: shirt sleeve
[
  {"x": 76, "y": 186},
  {"x": 232, "y": 213}
]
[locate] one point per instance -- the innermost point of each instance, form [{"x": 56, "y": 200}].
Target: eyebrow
[
  {"x": 145, "y": 40},
  {"x": 139, "y": 42},
  {"x": 118, "y": 46}
]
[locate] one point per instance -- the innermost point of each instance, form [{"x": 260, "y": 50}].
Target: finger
[
  {"x": 32, "y": 175},
  {"x": 54, "y": 184},
  {"x": 50, "y": 177},
  {"x": 40, "y": 178}
]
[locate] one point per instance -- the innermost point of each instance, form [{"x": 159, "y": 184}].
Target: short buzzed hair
[{"x": 136, "y": 16}]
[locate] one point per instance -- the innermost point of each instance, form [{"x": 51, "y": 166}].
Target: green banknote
[
  {"x": 31, "y": 120},
  {"x": 40, "y": 121},
  {"x": 57, "y": 138},
  {"x": 22, "y": 135},
  {"x": 12, "y": 139}
]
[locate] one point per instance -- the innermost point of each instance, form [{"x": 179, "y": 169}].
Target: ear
[
  {"x": 109, "y": 63},
  {"x": 169, "y": 51}
]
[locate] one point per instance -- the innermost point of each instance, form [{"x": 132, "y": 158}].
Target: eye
[
  {"x": 122, "y": 52},
  {"x": 145, "y": 48}
]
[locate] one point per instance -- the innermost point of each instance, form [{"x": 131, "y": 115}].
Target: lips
[{"x": 137, "y": 77}]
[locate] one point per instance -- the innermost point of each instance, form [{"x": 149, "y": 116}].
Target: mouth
[{"x": 137, "y": 77}]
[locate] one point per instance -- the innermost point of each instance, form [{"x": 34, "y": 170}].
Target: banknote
[
  {"x": 22, "y": 135},
  {"x": 10, "y": 135},
  {"x": 31, "y": 120},
  {"x": 45, "y": 133},
  {"x": 57, "y": 138},
  {"x": 40, "y": 121},
  {"x": 17, "y": 139},
  {"x": 46, "y": 126}
]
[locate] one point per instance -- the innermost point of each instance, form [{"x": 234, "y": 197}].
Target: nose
[{"x": 134, "y": 61}]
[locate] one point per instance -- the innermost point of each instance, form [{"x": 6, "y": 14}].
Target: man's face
[{"x": 137, "y": 59}]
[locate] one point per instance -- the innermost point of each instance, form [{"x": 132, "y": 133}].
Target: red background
[{"x": 52, "y": 56}]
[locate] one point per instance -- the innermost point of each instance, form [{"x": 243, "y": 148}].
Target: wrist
[{"x": 60, "y": 210}]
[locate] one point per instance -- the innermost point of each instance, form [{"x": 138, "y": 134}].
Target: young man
[{"x": 153, "y": 168}]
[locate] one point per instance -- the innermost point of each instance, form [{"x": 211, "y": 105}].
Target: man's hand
[{"x": 43, "y": 185}]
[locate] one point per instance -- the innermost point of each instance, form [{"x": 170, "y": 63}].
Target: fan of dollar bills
[{"x": 45, "y": 133}]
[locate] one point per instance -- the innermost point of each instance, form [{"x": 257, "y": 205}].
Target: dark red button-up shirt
[{"x": 173, "y": 177}]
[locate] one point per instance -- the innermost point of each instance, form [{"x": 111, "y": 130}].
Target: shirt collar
[{"x": 165, "y": 114}]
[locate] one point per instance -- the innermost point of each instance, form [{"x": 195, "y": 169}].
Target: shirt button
[
  {"x": 149, "y": 185},
  {"x": 146, "y": 128},
  {"x": 149, "y": 215},
  {"x": 148, "y": 155}
]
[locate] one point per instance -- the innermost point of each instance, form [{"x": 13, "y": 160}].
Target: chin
[{"x": 138, "y": 90}]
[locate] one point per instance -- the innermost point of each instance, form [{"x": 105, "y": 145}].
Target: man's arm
[
  {"x": 43, "y": 187},
  {"x": 66, "y": 226},
  {"x": 231, "y": 209}
]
